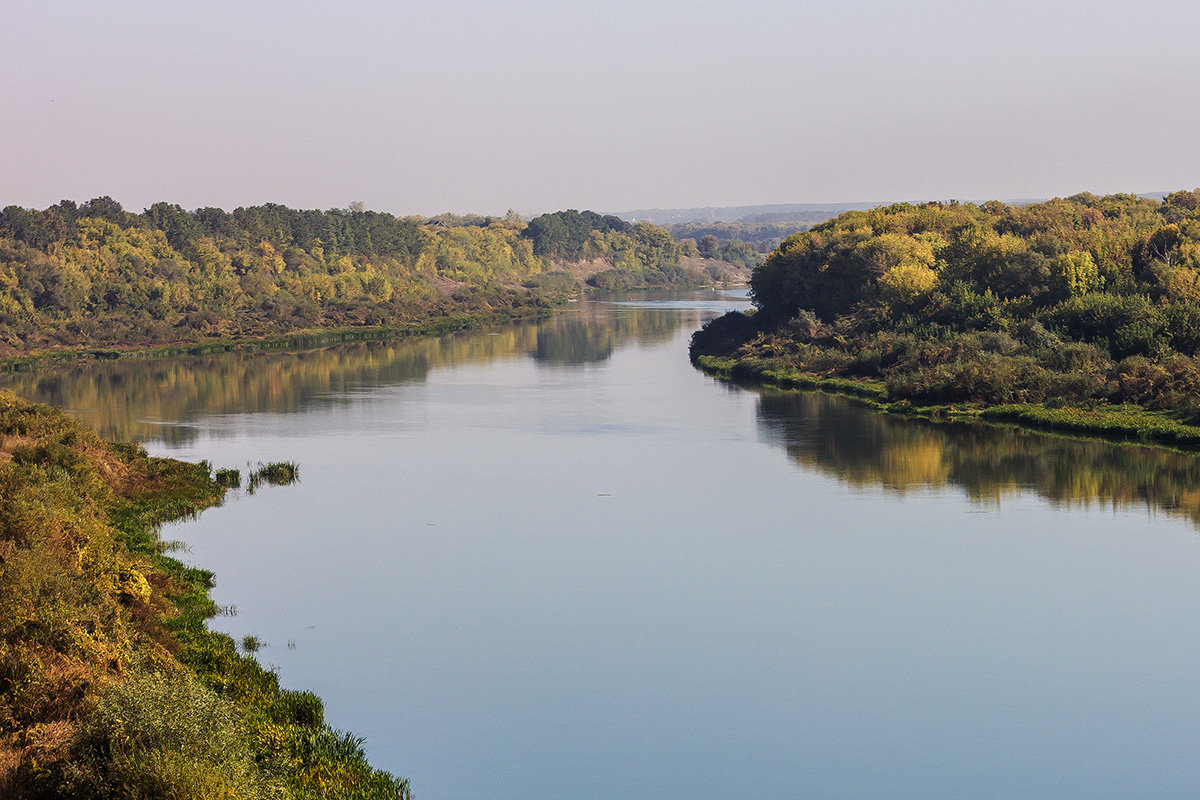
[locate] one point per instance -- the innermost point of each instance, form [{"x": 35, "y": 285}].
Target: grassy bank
[
  {"x": 111, "y": 683},
  {"x": 767, "y": 372},
  {"x": 296, "y": 340},
  {"x": 1126, "y": 422}
]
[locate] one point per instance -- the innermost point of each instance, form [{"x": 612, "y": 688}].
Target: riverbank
[
  {"x": 111, "y": 683},
  {"x": 1126, "y": 422},
  {"x": 299, "y": 339}
]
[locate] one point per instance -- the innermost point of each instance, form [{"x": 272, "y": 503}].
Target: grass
[
  {"x": 1127, "y": 422},
  {"x": 228, "y": 478},
  {"x": 771, "y": 373},
  {"x": 277, "y": 473},
  {"x": 1118, "y": 422}
]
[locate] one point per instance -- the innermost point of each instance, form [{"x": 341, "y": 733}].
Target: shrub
[
  {"x": 723, "y": 335},
  {"x": 157, "y": 735},
  {"x": 1183, "y": 326},
  {"x": 615, "y": 280},
  {"x": 804, "y": 327},
  {"x": 554, "y": 282},
  {"x": 1130, "y": 324},
  {"x": 985, "y": 377},
  {"x": 962, "y": 308}
]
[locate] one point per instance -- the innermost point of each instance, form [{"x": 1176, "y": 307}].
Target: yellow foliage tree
[
  {"x": 272, "y": 261},
  {"x": 902, "y": 285},
  {"x": 1076, "y": 273}
]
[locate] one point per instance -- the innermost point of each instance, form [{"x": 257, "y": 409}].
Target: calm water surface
[{"x": 554, "y": 561}]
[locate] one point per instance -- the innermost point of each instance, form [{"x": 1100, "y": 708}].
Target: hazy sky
[{"x": 423, "y": 107}]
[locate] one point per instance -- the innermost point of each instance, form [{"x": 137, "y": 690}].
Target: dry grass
[{"x": 9, "y": 443}]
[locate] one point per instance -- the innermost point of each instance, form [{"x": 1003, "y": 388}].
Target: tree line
[
  {"x": 714, "y": 238},
  {"x": 95, "y": 273}
]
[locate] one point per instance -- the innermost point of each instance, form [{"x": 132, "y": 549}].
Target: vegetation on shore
[
  {"x": 96, "y": 275},
  {"x": 111, "y": 684},
  {"x": 1078, "y": 314},
  {"x": 294, "y": 340}
]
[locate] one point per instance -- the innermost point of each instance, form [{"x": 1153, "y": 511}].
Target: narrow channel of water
[{"x": 554, "y": 561}]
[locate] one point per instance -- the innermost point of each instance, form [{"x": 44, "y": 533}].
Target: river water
[{"x": 553, "y": 561}]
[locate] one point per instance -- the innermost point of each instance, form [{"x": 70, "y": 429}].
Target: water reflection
[
  {"x": 156, "y": 400},
  {"x": 865, "y": 449},
  {"x": 160, "y": 400},
  {"x": 593, "y": 331}
]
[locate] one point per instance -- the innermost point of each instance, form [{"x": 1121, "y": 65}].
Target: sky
[{"x": 481, "y": 106}]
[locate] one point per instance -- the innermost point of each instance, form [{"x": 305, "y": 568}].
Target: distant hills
[
  {"x": 806, "y": 213},
  {"x": 809, "y": 213}
]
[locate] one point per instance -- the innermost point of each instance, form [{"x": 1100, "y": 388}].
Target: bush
[
  {"x": 613, "y": 280},
  {"x": 164, "y": 736},
  {"x": 1130, "y": 324},
  {"x": 985, "y": 377},
  {"x": 962, "y": 308},
  {"x": 1183, "y": 326},
  {"x": 723, "y": 335},
  {"x": 554, "y": 283}
]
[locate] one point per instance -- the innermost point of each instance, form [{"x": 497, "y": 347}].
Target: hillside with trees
[
  {"x": 1080, "y": 313},
  {"x": 98, "y": 275}
]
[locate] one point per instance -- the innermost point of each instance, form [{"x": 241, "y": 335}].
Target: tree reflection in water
[
  {"x": 158, "y": 400},
  {"x": 840, "y": 437}
]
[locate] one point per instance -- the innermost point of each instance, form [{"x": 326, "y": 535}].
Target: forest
[
  {"x": 747, "y": 242},
  {"x": 1080, "y": 313},
  {"x": 637, "y": 254},
  {"x": 94, "y": 274}
]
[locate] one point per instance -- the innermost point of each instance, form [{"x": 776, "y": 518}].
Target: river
[{"x": 554, "y": 561}]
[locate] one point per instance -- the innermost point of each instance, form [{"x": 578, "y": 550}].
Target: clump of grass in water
[
  {"x": 229, "y": 478},
  {"x": 251, "y": 643},
  {"x": 277, "y": 473}
]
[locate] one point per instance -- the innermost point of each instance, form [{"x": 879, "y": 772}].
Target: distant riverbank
[
  {"x": 538, "y": 306},
  {"x": 304, "y": 338},
  {"x": 97, "y": 276}
]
